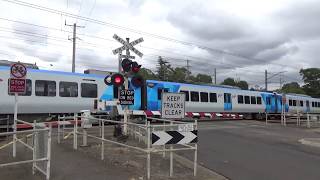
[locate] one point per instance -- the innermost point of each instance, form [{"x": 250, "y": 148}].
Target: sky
[{"x": 241, "y": 39}]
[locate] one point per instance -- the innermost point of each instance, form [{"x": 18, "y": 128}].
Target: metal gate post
[
  {"x": 102, "y": 142},
  {"x": 59, "y": 130},
  {"x": 171, "y": 156},
  {"x": 266, "y": 118},
  {"x": 308, "y": 120},
  {"x": 75, "y": 138},
  {"x": 34, "y": 149},
  {"x": 49, "y": 152},
  {"x": 195, "y": 152},
  {"x": 148, "y": 152}
]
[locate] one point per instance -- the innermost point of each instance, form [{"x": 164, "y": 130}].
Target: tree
[
  {"x": 147, "y": 74},
  {"x": 203, "y": 78},
  {"x": 163, "y": 69},
  {"x": 243, "y": 85},
  {"x": 179, "y": 75},
  {"x": 292, "y": 87},
  {"x": 311, "y": 78},
  {"x": 229, "y": 82}
]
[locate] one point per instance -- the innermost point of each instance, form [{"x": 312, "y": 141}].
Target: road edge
[
  {"x": 310, "y": 142},
  {"x": 189, "y": 164}
]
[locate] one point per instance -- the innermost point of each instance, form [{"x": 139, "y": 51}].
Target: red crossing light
[
  {"x": 117, "y": 79},
  {"x": 126, "y": 65},
  {"x": 137, "y": 81},
  {"x": 135, "y": 67}
]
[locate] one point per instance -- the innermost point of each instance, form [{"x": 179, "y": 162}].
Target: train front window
[
  {"x": 28, "y": 89},
  {"x": 89, "y": 90},
  {"x": 160, "y": 92},
  {"x": 204, "y": 97},
  {"x": 194, "y": 96},
  {"x": 45, "y": 88},
  {"x": 68, "y": 89},
  {"x": 187, "y": 94}
]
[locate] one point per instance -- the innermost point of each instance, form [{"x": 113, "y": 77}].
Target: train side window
[
  {"x": 187, "y": 94},
  {"x": 204, "y": 97},
  {"x": 68, "y": 89},
  {"x": 194, "y": 96},
  {"x": 294, "y": 102},
  {"x": 259, "y": 100},
  {"x": 213, "y": 97},
  {"x": 160, "y": 92},
  {"x": 290, "y": 102},
  {"x": 307, "y": 104},
  {"x": 253, "y": 100},
  {"x": 45, "y": 88},
  {"x": 28, "y": 89},
  {"x": 89, "y": 90},
  {"x": 301, "y": 103},
  {"x": 318, "y": 104},
  {"x": 240, "y": 99},
  {"x": 247, "y": 99}
]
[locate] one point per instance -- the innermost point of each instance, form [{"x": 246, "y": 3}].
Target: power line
[
  {"x": 155, "y": 49},
  {"x": 54, "y": 11}
]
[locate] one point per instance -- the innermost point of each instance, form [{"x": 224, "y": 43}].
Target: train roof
[
  {"x": 199, "y": 86},
  {"x": 57, "y": 72}
]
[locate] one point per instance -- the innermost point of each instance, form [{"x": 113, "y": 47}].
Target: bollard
[{"x": 85, "y": 137}]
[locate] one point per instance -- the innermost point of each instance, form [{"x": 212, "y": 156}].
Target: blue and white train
[{"x": 54, "y": 92}]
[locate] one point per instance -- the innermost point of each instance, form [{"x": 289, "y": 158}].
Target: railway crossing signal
[
  {"x": 117, "y": 79},
  {"x": 137, "y": 81},
  {"x": 125, "y": 66}
]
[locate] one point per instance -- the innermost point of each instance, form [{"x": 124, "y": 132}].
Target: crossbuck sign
[{"x": 127, "y": 45}]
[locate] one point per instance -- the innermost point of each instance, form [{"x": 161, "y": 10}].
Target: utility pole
[
  {"x": 266, "y": 79},
  {"x": 215, "y": 76},
  {"x": 188, "y": 69},
  {"x": 74, "y": 37}
]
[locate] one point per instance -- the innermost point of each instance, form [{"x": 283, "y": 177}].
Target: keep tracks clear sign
[{"x": 173, "y": 105}]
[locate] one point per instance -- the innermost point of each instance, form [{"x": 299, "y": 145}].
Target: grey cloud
[
  {"x": 34, "y": 51},
  {"x": 30, "y": 34},
  {"x": 208, "y": 25},
  {"x": 301, "y": 19}
]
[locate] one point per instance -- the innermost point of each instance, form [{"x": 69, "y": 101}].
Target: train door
[
  {"x": 308, "y": 106},
  {"x": 275, "y": 103},
  {"x": 227, "y": 102}
]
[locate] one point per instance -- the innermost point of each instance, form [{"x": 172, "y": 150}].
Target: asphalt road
[{"x": 249, "y": 150}]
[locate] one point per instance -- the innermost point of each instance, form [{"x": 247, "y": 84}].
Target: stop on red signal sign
[{"x": 17, "y": 85}]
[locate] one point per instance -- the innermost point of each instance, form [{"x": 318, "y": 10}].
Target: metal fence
[
  {"x": 298, "y": 118},
  {"x": 40, "y": 147},
  {"x": 150, "y": 134}
]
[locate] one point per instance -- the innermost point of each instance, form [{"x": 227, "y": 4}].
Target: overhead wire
[{"x": 54, "y": 11}]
